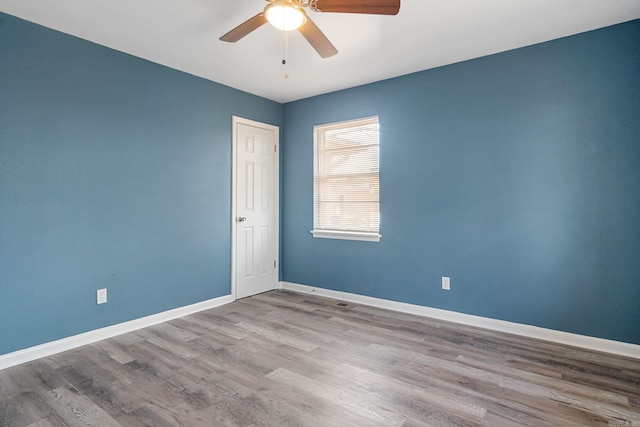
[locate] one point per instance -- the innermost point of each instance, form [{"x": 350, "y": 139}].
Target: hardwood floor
[{"x": 286, "y": 359}]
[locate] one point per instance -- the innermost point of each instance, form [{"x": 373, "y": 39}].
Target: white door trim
[{"x": 234, "y": 206}]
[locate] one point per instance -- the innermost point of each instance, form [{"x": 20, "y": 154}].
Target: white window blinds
[{"x": 346, "y": 180}]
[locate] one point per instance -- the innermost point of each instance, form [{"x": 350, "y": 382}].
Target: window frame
[{"x": 359, "y": 235}]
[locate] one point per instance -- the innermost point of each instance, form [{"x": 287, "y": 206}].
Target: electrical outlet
[
  {"x": 446, "y": 283},
  {"x": 101, "y": 296}
]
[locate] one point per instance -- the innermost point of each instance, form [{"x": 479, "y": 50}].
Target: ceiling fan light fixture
[{"x": 285, "y": 15}]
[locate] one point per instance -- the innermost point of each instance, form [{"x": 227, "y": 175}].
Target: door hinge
[
  {"x": 274, "y": 263},
  {"x": 275, "y": 148}
]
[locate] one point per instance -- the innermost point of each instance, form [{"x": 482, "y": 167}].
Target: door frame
[{"x": 236, "y": 120}]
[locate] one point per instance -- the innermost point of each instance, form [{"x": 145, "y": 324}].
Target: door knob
[{"x": 242, "y": 218}]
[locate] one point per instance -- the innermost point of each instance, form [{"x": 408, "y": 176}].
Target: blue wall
[
  {"x": 114, "y": 172},
  {"x": 516, "y": 174}
]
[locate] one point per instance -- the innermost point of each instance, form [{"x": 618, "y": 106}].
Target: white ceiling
[{"x": 183, "y": 34}]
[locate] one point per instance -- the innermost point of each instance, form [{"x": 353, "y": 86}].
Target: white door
[{"x": 255, "y": 207}]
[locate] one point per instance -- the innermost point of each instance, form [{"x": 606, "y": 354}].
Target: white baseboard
[
  {"x": 53, "y": 347},
  {"x": 583, "y": 341},
  {"x": 69, "y": 343}
]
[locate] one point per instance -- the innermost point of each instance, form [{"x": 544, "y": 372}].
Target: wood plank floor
[{"x": 286, "y": 359}]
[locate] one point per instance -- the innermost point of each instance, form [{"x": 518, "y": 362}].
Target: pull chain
[{"x": 286, "y": 54}]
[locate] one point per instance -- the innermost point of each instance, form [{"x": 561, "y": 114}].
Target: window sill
[{"x": 346, "y": 235}]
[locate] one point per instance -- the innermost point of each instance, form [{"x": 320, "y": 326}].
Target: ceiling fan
[{"x": 288, "y": 15}]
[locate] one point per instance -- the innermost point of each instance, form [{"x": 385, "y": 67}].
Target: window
[{"x": 346, "y": 180}]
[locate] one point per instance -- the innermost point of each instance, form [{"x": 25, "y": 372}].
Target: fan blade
[
  {"x": 245, "y": 28},
  {"x": 317, "y": 39},
  {"x": 373, "y": 7}
]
